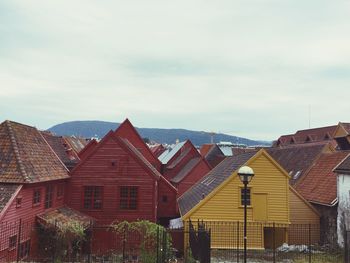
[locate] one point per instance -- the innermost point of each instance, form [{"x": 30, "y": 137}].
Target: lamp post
[{"x": 245, "y": 174}]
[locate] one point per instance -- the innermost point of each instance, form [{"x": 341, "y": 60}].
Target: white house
[{"x": 343, "y": 193}]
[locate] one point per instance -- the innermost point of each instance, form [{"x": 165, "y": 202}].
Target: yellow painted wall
[
  {"x": 269, "y": 188},
  {"x": 225, "y": 204},
  {"x": 304, "y": 219}
]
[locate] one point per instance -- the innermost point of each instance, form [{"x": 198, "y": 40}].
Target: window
[
  {"x": 165, "y": 198},
  {"x": 18, "y": 202},
  {"x": 248, "y": 196},
  {"x": 60, "y": 191},
  {"x": 48, "y": 196},
  {"x": 92, "y": 197},
  {"x": 12, "y": 242},
  {"x": 24, "y": 249},
  {"x": 128, "y": 197},
  {"x": 114, "y": 163},
  {"x": 36, "y": 197}
]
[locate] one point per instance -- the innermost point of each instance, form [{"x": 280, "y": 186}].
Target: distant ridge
[{"x": 98, "y": 129}]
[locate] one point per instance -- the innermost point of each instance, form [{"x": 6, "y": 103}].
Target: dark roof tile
[{"x": 26, "y": 157}]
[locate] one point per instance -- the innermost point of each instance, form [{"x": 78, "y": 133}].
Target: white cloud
[{"x": 251, "y": 67}]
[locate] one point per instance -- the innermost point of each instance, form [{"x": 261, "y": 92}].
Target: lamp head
[{"x": 245, "y": 174}]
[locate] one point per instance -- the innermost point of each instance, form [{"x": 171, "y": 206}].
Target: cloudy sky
[{"x": 249, "y": 68}]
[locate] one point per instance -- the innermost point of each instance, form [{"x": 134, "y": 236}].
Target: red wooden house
[
  {"x": 64, "y": 151},
  {"x": 212, "y": 154},
  {"x": 32, "y": 183},
  {"x": 183, "y": 166},
  {"x": 115, "y": 182},
  {"x": 127, "y": 131}
]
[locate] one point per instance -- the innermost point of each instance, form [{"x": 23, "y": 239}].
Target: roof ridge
[{"x": 16, "y": 151}]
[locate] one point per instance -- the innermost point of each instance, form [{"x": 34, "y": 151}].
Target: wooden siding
[
  {"x": 268, "y": 179},
  {"x": 27, "y": 214},
  {"x": 303, "y": 216},
  {"x": 224, "y": 203},
  {"x": 166, "y": 209},
  {"x": 200, "y": 170},
  {"x": 127, "y": 130},
  {"x": 301, "y": 212},
  {"x": 97, "y": 170}
]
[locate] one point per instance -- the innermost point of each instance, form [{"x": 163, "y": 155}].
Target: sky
[{"x": 256, "y": 69}]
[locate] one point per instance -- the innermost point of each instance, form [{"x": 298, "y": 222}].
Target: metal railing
[{"x": 221, "y": 241}]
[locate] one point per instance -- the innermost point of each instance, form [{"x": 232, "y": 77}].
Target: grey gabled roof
[
  {"x": 211, "y": 181},
  {"x": 167, "y": 155}
]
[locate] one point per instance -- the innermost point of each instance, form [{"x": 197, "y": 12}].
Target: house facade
[
  {"x": 343, "y": 189},
  {"x": 218, "y": 197},
  {"x": 115, "y": 182},
  {"x": 319, "y": 187},
  {"x": 183, "y": 166},
  {"x": 32, "y": 183}
]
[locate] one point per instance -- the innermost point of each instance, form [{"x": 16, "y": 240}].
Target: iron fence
[{"x": 205, "y": 242}]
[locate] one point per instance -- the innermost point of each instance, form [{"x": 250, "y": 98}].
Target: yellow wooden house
[{"x": 272, "y": 204}]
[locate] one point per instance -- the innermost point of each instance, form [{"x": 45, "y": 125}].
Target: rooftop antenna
[{"x": 212, "y": 137}]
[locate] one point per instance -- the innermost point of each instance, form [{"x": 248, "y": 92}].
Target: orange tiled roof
[
  {"x": 205, "y": 149},
  {"x": 308, "y": 136},
  {"x": 26, "y": 157},
  {"x": 319, "y": 185}
]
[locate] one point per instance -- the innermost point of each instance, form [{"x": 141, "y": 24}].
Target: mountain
[{"x": 98, "y": 129}]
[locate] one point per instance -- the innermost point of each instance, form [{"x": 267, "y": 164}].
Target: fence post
[
  {"x": 54, "y": 246},
  {"x": 124, "y": 237},
  {"x": 19, "y": 240},
  {"x": 157, "y": 244},
  {"x": 164, "y": 246},
  {"x": 237, "y": 241},
  {"x": 274, "y": 242},
  {"x": 309, "y": 243},
  {"x": 346, "y": 255},
  {"x": 90, "y": 241}
]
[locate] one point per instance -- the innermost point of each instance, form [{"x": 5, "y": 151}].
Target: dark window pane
[
  {"x": 248, "y": 196},
  {"x": 124, "y": 192},
  {"x": 123, "y": 204},
  {"x": 133, "y": 204}
]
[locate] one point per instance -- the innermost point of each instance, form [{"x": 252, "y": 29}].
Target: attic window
[
  {"x": 165, "y": 198},
  {"x": 18, "y": 202},
  {"x": 327, "y": 137},
  {"x": 114, "y": 163},
  {"x": 297, "y": 174},
  {"x": 292, "y": 141}
]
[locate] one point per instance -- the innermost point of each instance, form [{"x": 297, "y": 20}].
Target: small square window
[
  {"x": 36, "y": 197},
  {"x": 248, "y": 197},
  {"x": 128, "y": 197},
  {"x": 18, "y": 202},
  {"x": 93, "y": 197}
]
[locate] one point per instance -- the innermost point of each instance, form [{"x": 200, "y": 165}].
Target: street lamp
[{"x": 245, "y": 174}]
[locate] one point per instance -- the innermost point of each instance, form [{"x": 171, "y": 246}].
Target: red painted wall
[
  {"x": 97, "y": 170},
  {"x": 9, "y": 224},
  {"x": 193, "y": 177},
  {"x": 166, "y": 208},
  {"x": 126, "y": 130}
]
